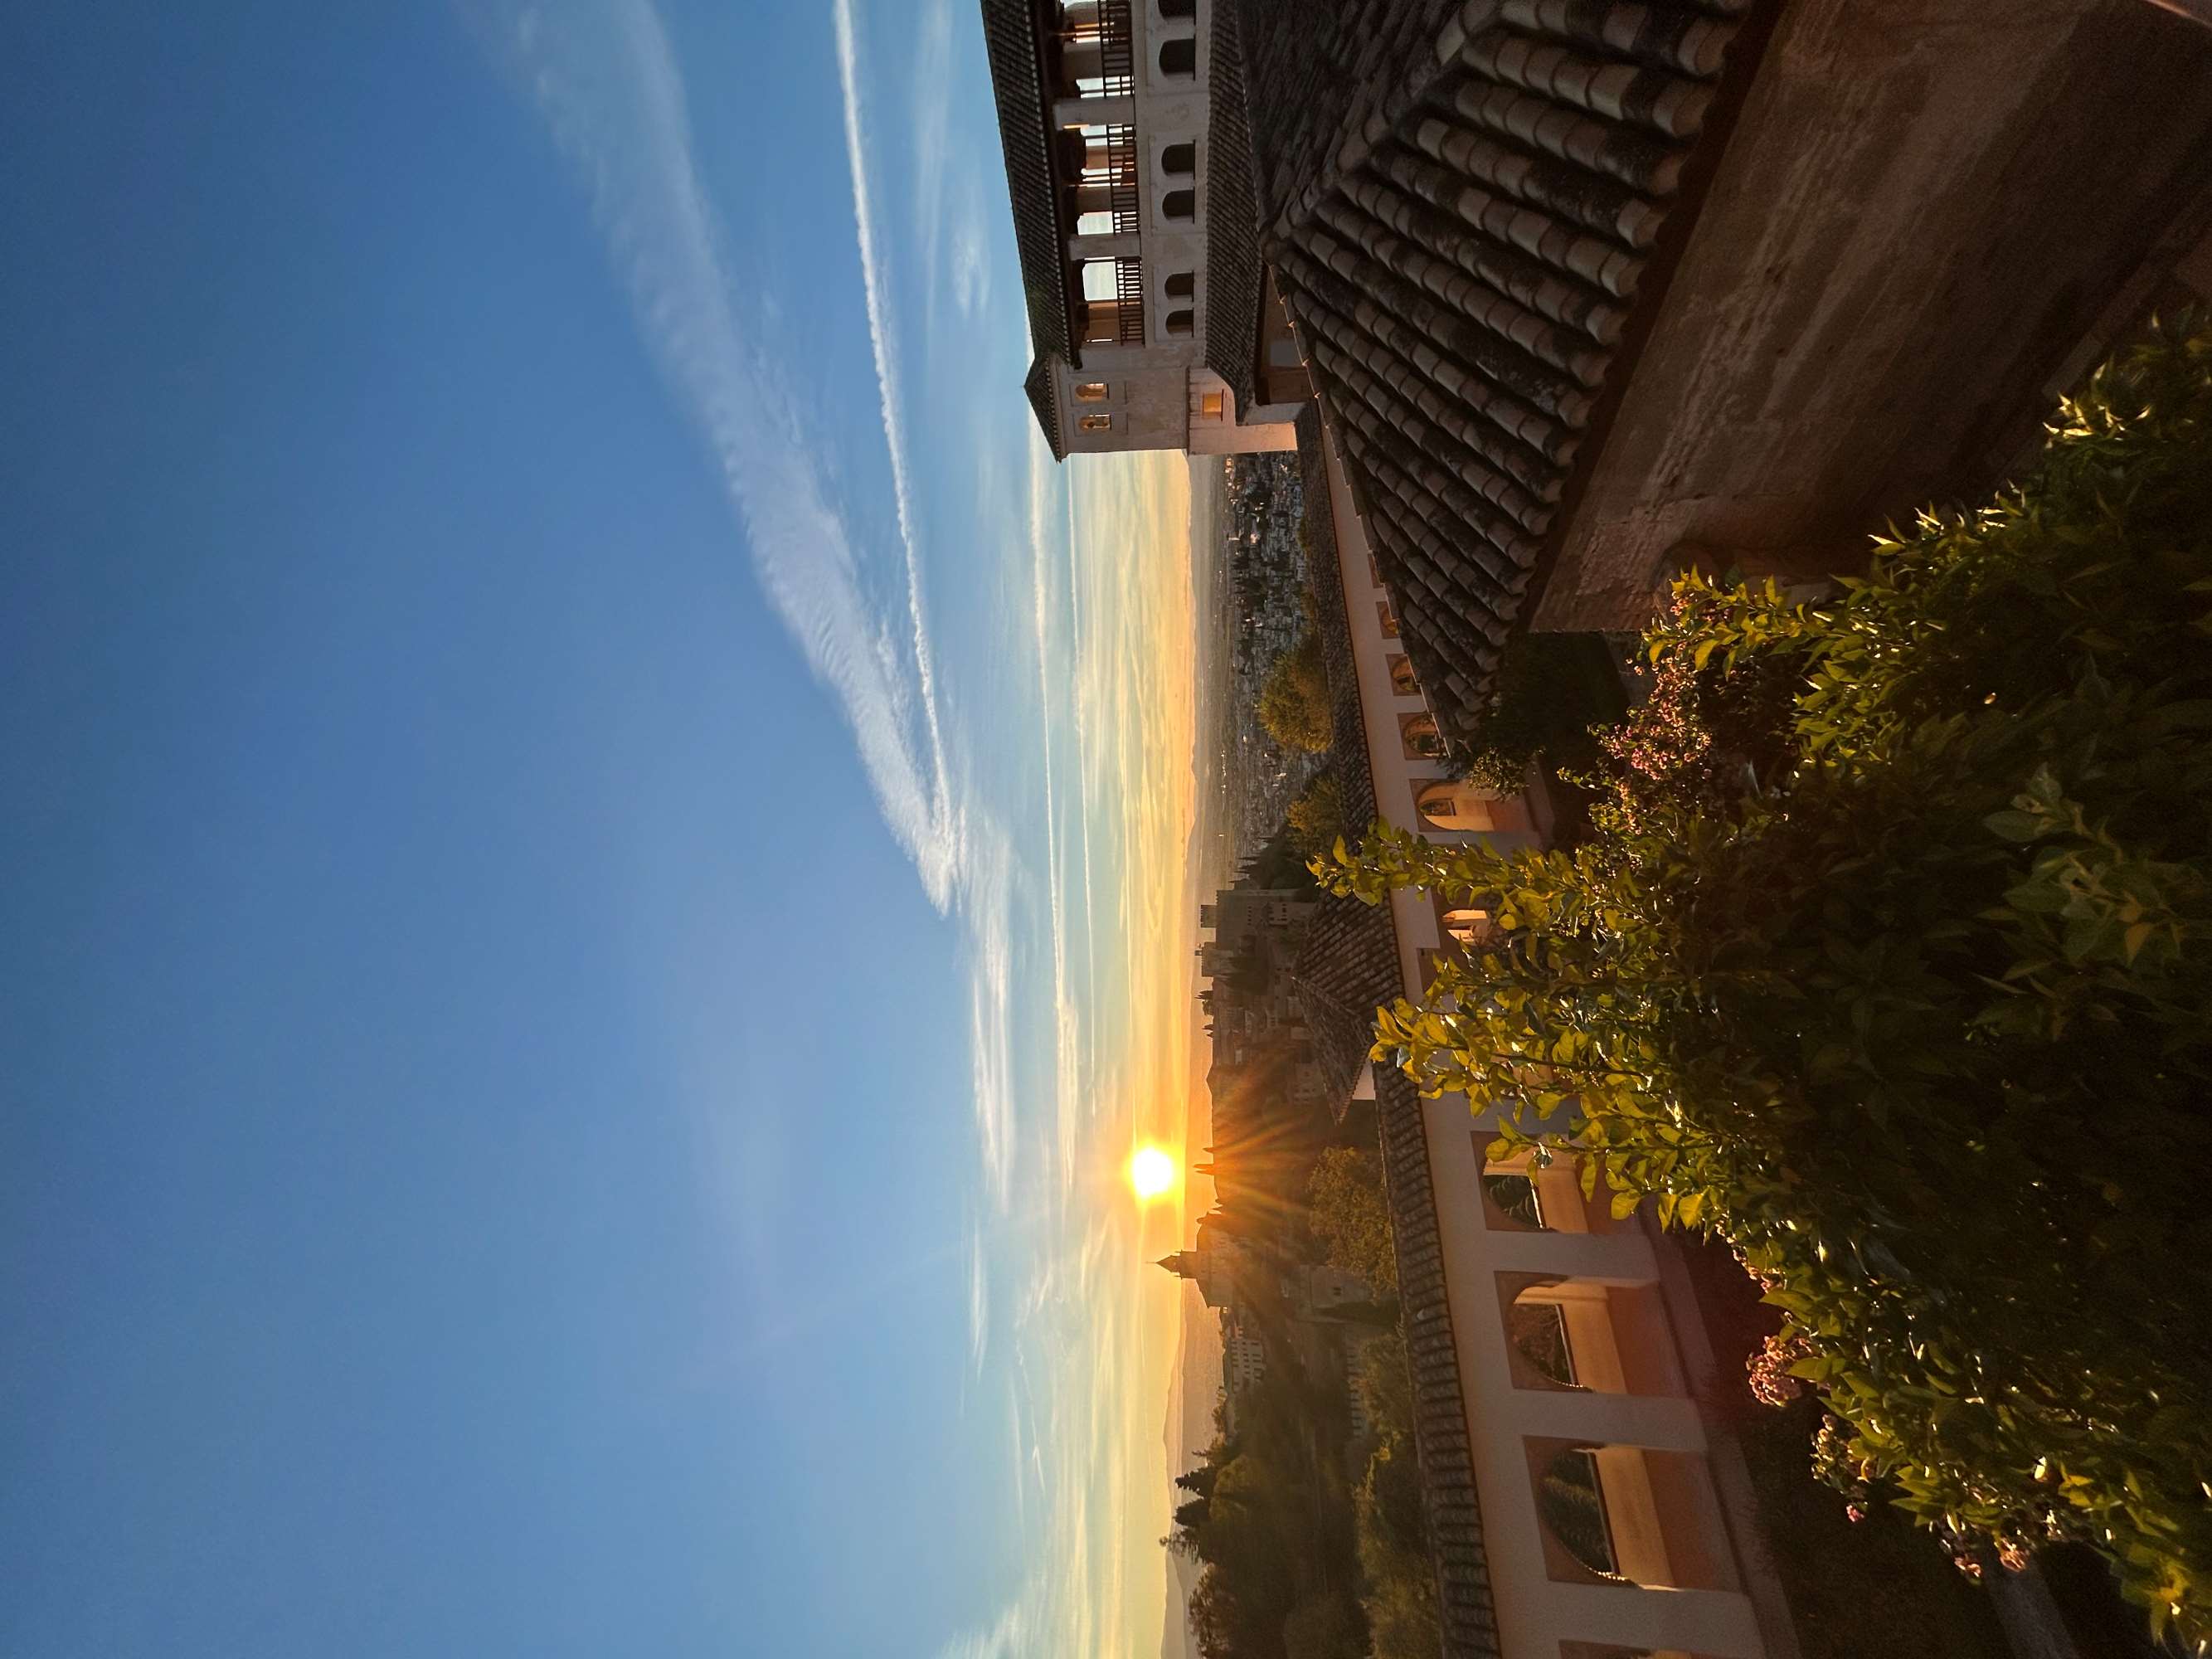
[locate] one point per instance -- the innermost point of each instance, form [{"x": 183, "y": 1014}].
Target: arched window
[
  {"x": 1449, "y": 805},
  {"x": 1178, "y": 8},
  {"x": 1572, "y": 1505},
  {"x": 1179, "y": 57},
  {"x": 1403, "y": 681},
  {"x": 1419, "y": 736},
  {"x": 1538, "y": 1330},
  {"x": 1181, "y": 160},
  {"x": 1179, "y": 205},
  {"x": 1179, "y": 322},
  {"x": 1515, "y": 1197},
  {"x": 1090, "y": 391},
  {"x": 1096, "y": 423},
  {"x": 1180, "y": 284}
]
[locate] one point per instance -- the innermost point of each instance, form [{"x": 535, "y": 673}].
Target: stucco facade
[
  {"x": 1611, "y": 1393},
  {"x": 1109, "y": 105}
]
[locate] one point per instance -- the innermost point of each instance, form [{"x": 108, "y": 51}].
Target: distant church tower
[{"x": 1208, "y": 1268}]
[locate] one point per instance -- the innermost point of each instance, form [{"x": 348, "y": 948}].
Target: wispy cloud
[
  {"x": 991, "y": 1034},
  {"x": 948, "y": 193},
  {"x": 604, "y": 78},
  {"x": 884, "y": 345},
  {"x": 978, "y": 1300},
  {"x": 986, "y": 873}
]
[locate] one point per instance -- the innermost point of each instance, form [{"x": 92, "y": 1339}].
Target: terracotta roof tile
[{"x": 1461, "y": 200}]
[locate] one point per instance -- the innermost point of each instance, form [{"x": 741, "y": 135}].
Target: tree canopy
[
  {"x": 1889, "y": 960},
  {"x": 1551, "y": 689},
  {"x": 1315, "y": 819},
  {"x": 1294, "y": 702},
  {"x": 1349, "y": 1216}
]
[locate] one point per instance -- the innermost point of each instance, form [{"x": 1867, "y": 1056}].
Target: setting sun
[{"x": 1151, "y": 1172}]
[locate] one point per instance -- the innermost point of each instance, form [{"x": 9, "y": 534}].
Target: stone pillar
[{"x": 1093, "y": 111}]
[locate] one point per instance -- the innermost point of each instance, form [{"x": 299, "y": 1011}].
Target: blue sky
[{"x": 595, "y": 878}]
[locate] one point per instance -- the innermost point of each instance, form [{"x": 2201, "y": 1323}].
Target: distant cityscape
[{"x": 1265, "y": 575}]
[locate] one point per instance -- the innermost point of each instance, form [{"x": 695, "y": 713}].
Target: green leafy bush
[
  {"x": 1398, "y": 1579},
  {"x": 1351, "y": 1216},
  {"x": 1315, "y": 818},
  {"x": 1552, "y": 688},
  {"x": 1890, "y": 961},
  {"x": 1325, "y": 1626}
]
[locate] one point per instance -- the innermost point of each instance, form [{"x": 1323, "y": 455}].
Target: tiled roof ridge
[
  {"x": 1462, "y": 240},
  {"x": 1009, "y": 39},
  {"x": 1348, "y": 965}
]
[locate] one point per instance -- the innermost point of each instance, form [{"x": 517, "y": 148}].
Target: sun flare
[{"x": 1151, "y": 1172}]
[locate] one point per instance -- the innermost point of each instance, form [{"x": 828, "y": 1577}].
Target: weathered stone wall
[{"x": 1925, "y": 211}]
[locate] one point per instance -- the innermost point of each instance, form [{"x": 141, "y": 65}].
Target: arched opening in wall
[
  {"x": 1616, "y": 1514},
  {"x": 1453, "y": 805},
  {"x": 1180, "y": 161},
  {"x": 1178, "y": 8},
  {"x": 1571, "y": 1500},
  {"x": 1179, "y": 57},
  {"x": 1514, "y": 1200},
  {"x": 1403, "y": 682},
  {"x": 1536, "y": 1325},
  {"x": 1180, "y": 205},
  {"x": 1589, "y": 1336},
  {"x": 1182, "y": 285},
  {"x": 1179, "y": 322},
  {"x": 1096, "y": 423},
  {"x": 1558, "y": 1204},
  {"x": 1090, "y": 391},
  {"x": 1418, "y": 735}
]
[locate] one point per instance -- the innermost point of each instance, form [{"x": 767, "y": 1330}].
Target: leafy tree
[
  {"x": 1294, "y": 703},
  {"x": 1401, "y": 1603},
  {"x": 1389, "y": 1378},
  {"x": 1316, "y": 817},
  {"x": 1890, "y": 961},
  {"x": 1350, "y": 1216},
  {"x": 1325, "y": 1626},
  {"x": 1400, "y": 1593},
  {"x": 1551, "y": 689},
  {"x": 1281, "y": 862},
  {"x": 1276, "y": 1532}
]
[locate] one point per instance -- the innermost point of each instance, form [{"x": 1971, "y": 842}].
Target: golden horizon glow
[{"x": 1151, "y": 1172}]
